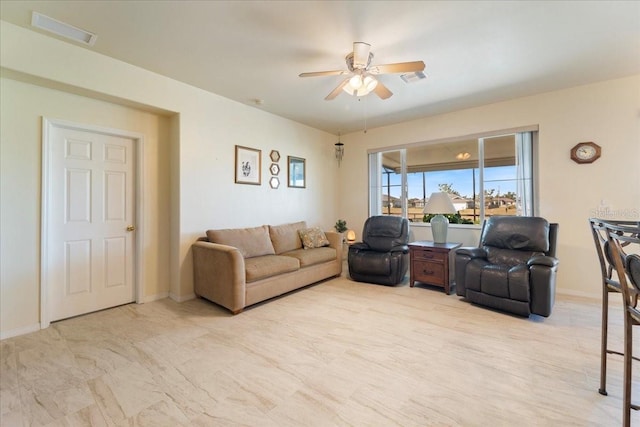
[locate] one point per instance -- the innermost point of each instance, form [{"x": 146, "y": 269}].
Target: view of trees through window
[{"x": 455, "y": 168}]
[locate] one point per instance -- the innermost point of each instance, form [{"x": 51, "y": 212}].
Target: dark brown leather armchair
[
  {"x": 383, "y": 255},
  {"x": 513, "y": 269}
]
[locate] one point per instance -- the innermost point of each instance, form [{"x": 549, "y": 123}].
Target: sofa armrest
[
  {"x": 219, "y": 274},
  {"x": 472, "y": 252},
  {"x": 400, "y": 248},
  {"x": 359, "y": 246},
  {"x": 542, "y": 260},
  {"x": 335, "y": 242},
  {"x": 543, "y": 285},
  {"x": 462, "y": 258}
]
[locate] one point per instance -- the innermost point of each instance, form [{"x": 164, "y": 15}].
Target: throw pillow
[{"x": 313, "y": 238}]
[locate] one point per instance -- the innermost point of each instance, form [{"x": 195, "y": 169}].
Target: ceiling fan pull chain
[{"x": 364, "y": 109}]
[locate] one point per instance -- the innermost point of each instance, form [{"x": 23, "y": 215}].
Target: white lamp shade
[
  {"x": 351, "y": 235},
  {"x": 370, "y": 83},
  {"x": 439, "y": 203},
  {"x": 355, "y": 82}
]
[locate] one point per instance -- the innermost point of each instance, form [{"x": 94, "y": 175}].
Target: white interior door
[{"x": 90, "y": 221}]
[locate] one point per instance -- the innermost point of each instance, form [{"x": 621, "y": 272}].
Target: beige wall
[
  {"x": 196, "y": 178},
  {"x": 193, "y": 175},
  {"x": 607, "y": 113},
  {"x": 22, "y": 107}
]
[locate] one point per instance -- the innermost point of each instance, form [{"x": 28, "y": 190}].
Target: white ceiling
[{"x": 475, "y": 52}]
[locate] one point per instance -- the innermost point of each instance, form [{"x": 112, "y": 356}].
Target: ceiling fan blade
[
  {"x": 324, "y": 73},
  {"x": 361, "y": 54},
  {"x": 337, "y": 90},
  {"x": 400, "y": 67},
  {"x": 382, "y": 91}
]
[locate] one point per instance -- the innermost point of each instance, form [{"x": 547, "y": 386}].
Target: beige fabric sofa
[{"x": 236, "y": 268}]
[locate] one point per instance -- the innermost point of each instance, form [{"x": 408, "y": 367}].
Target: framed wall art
[
  {"x": 296, "y": 172},
  {"x": 248, "y": 165},
  {"x": 274, "y": 182}
]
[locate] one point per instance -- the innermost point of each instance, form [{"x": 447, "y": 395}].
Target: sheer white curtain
[
  {"x": 375, "y": 184},
  {"x": 524, "y": 167}
]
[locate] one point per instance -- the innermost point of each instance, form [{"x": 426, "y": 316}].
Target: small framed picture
[
  {"x": 248, "y": 165},
  {"x": 296, "y": 172}
]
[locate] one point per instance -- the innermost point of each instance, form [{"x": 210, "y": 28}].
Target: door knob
[{"x": 131, "y": 228}]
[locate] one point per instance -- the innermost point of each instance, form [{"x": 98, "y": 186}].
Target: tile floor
[{"x": 338, "y": 353}]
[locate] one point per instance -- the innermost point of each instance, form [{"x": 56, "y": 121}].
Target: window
[{"x": 484, "y": 176}]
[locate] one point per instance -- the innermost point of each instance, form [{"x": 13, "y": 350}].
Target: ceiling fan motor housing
[{"x": 353, "y": 67}]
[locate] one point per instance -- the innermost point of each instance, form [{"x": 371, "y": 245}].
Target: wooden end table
[{"x": 429, "y": 263}]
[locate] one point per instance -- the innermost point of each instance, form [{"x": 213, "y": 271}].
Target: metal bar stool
[
  {"x": 600, "y": 238},
  {"x": 626, "y": 262}
]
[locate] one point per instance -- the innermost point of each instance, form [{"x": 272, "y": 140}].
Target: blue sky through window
[{"x": 500, "y": 178}]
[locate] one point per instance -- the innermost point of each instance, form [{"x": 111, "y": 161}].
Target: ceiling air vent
[
  {"x": 54, "y": 26},
  {"x": 413, "y": 77}
]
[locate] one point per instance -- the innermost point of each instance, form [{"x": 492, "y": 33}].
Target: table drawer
[
  {"x": 429, "y": 272},
  {"x": 428, "y": 255}
]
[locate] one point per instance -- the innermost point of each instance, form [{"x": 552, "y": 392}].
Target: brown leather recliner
[
  {"x": 383, "y": 255},
  {"x": 513, "y": 269}
]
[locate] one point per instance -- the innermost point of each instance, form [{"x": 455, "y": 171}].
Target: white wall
[
  {"x": 607, "y": 113},
  {"x": 197, "y": 179}
]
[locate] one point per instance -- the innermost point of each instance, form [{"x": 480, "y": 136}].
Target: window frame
[{"x": 375, "y": 170}]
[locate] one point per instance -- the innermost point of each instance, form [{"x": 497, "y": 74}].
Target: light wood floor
[{"x": 338, "y": 353}]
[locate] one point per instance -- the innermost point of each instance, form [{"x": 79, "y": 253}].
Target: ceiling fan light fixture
[
  {"x": 370, "y": 83},
  {"x": 362, "y": 91},
  {"x": 348, "y": 89},
  {"x": 355, "y": 82},
  {"x": 360, "y": 86}
]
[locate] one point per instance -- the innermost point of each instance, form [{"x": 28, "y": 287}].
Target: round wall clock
[{"x": 585, "y": 152}]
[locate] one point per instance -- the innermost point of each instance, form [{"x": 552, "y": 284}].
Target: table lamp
[
  {"x": 439, "y": 203},
  {"x": 351, "y": 236}
]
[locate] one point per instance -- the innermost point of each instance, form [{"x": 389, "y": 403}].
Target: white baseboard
[
  {"x": 150, "y": 298},
  {"x": 19, "y": 331},
  {"x": 184, "y": 298}
]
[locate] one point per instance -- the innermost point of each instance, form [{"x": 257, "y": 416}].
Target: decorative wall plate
[
  {"x": 275, "y": 156},
  {"x": 274, "y": 168}
]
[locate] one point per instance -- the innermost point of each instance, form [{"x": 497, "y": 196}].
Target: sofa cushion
[
  {"x": 285, "y": 237},
  {"x": 251, "y": 242},
  {"x": 313, "y": 238},
  {"x": 316, "y": 256},
  {"x": 261, "y": 267}
]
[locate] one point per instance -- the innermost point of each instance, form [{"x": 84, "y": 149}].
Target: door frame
[{"x": 48, "y": 125}]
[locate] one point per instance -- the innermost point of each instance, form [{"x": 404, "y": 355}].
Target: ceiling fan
[{"x": 363, "y": 80}]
